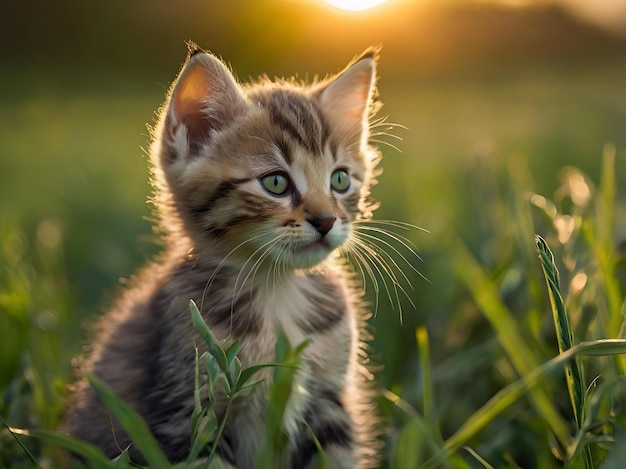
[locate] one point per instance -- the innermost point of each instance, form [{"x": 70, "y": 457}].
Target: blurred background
[{"x": 493, "y": 99}]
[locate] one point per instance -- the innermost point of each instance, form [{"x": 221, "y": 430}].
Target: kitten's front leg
[
  {"x": 336, "y": 458},
  {"x": 329, "y": 424}
]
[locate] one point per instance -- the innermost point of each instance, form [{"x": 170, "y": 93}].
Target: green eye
[
  {"x": 275, "y": 183},
  {"x": 340, "y": 181}
]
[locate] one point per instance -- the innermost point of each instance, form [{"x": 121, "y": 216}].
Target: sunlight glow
[{"x": 355, "y": 5}]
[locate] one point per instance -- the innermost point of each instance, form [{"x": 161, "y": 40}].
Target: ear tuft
[
  {"x": 372, "y": 52},
  {"x": 193, "y": 49}
]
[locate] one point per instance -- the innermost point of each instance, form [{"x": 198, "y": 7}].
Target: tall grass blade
[
  {"x": 573, "y": 373},
  {"x": 280, "y": 392},
  {"x": 419, "y": 438},
  {"x": 210, "y": 339},
  {"x": 421, "y": 336},
  {"x": 516, "y": 390},
  {"x": 91, "y": 453},
  {"x": 575, "y": 384},
  {"x": 132, "y": 422},
  {"x": 321, "y": 460},
  {"x": 519, "y": 351},
  {"x": 605, "y": 244},
  {"x": 203, "y": 419},
  {"x": 19, "y": 442},
  {"x": 410, "y": 445},
  {"x": 478, "y": 457},
  {"x": 592, "y": 417}
]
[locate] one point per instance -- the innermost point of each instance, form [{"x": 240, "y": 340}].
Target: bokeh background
[{"x": 493, "y": 99}]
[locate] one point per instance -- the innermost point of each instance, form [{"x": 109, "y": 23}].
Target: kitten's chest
[
  {"x": 301, "y": 308},
  {"x": 304, "y": 306},
  {"x": 285, "y": 308},
  {"x": 273, "y": 311},
  {"x": 313, "y": 305}
]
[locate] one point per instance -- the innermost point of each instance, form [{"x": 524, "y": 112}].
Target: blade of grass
[
  {"x": 280, "y": 392},
  {"x": 421, "y": 336},
  {"x": 321, "y": 460},
  {"x": 573, "y": 373},
  {"x": 514, "y": 391},
  {"x": 19, "y": 442},
  {"x": 94, "y": 455},
  {"x": 203, "y": 419},
  {"x": 478, "y": 457},
  {"x": 604, "y": 245},
  {"x": 575, "y": 383},
  {"x": 211, "y": 341},
  {"x": 592, "y": 415},
  {"x": 520, "y": 353},
  {"x": 132, "y": 422},
  {"x": 420, "y": 441},
  {"x": 409, "y": 450}
]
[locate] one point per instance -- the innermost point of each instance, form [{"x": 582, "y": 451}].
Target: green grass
[{"x": 485, "y": 371}]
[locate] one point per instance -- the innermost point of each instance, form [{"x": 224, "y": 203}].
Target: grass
[{"x": 485, "y": 371}]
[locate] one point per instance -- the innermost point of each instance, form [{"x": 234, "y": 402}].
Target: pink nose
[{"x": 322, "y": 224}]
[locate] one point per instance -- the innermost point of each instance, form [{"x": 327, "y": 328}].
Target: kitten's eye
[
  {"x": 275, "y": 183},
  {"x": 340, "y": 181}
]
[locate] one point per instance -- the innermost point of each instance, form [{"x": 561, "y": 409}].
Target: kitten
[{"x": 257, "y": 187}]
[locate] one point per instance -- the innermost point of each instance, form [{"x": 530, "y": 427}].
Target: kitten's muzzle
[{"x": 322, "y": 224}]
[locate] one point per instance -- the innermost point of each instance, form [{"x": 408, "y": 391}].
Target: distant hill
[
  {"x": 280, "y": 36},
  {"x": 454, "y": 37}
]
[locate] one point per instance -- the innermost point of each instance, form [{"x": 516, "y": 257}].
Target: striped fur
[{"x": 253, "y": 261}]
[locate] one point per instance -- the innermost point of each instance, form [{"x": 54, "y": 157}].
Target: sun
[{"x": 355, "y": 5}]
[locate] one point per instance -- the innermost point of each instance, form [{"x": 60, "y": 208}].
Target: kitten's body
[{"x": 255, "y": 258}]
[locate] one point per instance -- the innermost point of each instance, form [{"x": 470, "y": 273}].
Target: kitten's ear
[
  {"x": 349, "y": 95},
  {"x": 204, "y": 98}
]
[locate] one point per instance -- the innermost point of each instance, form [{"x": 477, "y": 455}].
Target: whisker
[
  {"x": 396, "y": 224},
  {"x": 209, "y": 282},
  {"x": 279, "y": 266},
  {"x": 384, "y": 133},
  {"x": 272, "y": 272},
  {"x": 381, "y": 128},
  {"x": 259, "y": 263},
  {"x": 264, "y": 251},
  {"x": 378, "y": 256},
  {"x": 383, "y": 142},
  {"x": 367, "y": 252},
  {"x": 361, "y": 226},
  {"x": 391, "y": 259},
  {"x": 346, "y": 253},
  {"x": 352, "y": 250},
  {"x": 405, "y": 242},
  {"x": 385, "y": 252},
  {"x": 375, "y": 252},
  {"x": 382, "y": 122},
  {"x": 266, "y": 247}
]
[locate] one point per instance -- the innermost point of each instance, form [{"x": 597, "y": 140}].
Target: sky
[
  {"x": 607, "y": 13},
  {"x": 279, "y": 36},
  {"x": 610, "y": 14}
]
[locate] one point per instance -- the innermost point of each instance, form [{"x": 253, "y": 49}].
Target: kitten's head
[{"x": 279, "y": 171}]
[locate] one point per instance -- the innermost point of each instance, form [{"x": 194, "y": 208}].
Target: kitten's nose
[{"x": 322, "y": 224}]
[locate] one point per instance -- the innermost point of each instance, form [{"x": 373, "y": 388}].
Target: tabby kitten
[{"x": 257, "y": 187}]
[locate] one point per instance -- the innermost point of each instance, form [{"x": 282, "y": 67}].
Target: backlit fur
[{"x": 253, "y": 261}]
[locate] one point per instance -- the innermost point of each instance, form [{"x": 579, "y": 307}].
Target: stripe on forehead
[{"x": 298, "y": 116}]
